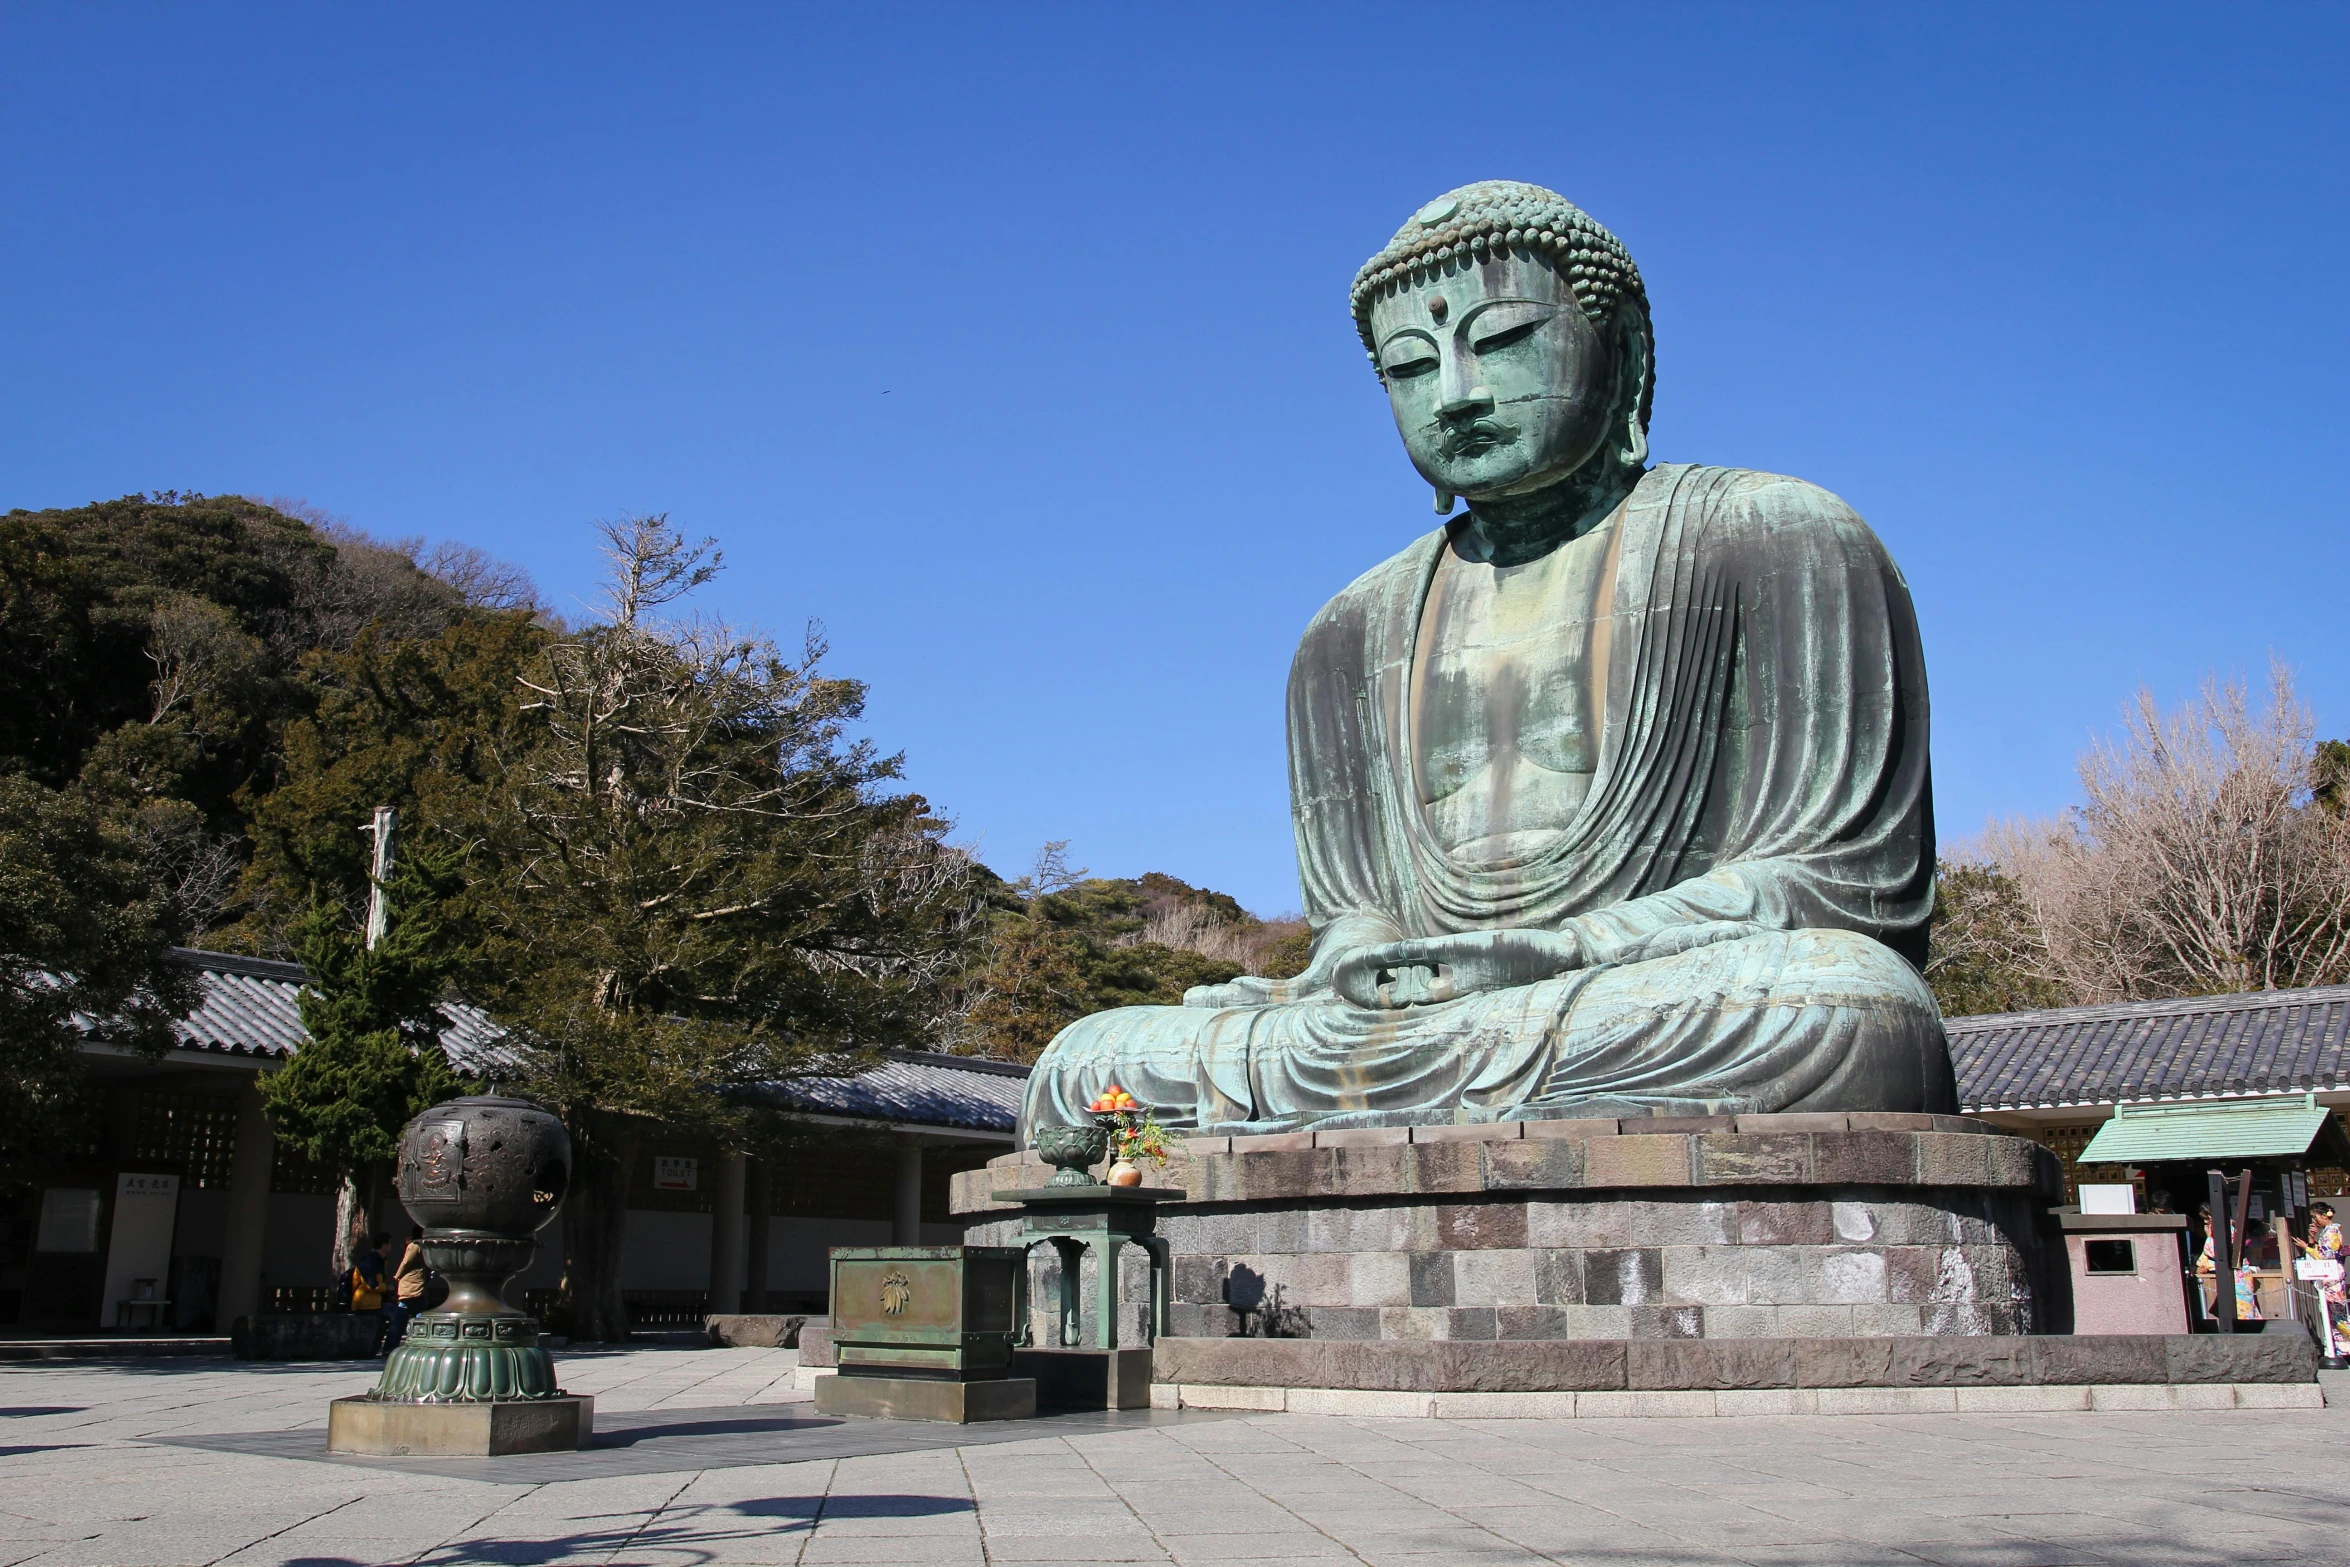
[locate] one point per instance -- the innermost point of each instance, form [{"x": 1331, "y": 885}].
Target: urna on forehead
[{"x": 1501, "y": 217}]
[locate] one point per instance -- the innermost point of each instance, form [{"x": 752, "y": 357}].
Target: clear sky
[{"x": 1011, "y": 342}]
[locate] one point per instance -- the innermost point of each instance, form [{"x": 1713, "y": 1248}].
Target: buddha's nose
[{"x": 1460, "y": 394}]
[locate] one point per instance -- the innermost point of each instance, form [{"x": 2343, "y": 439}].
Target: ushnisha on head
[{"x": 1512, "y": 334}]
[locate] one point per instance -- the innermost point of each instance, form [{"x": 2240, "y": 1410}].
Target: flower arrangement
[{"x": 1135, "y": 1134}]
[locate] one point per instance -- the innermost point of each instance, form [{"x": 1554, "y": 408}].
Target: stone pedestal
[
  {"x": 480, "y": 1430},
  {"x": 306, "y": 1335},
  {"x": 1087, "y": 1378},
  {"x": 739, "y": 1330},
  {"x": 470, "y": 1377},
  {"x": 1753, "y": 1227},
  {"x": 927, "y": 1398}
]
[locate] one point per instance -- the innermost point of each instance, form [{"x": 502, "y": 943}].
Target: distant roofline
[
  {"x": 956, "y": 1063},
  {"x": 295, "y": 973},
  {"x": 2181, "y": 1006},
  {"x": 239, "y": 963}
]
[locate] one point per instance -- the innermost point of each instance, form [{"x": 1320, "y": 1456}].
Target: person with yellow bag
[{"x": 369, "y": 1290}]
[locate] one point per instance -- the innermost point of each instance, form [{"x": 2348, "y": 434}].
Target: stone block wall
[{"x": 1729, "y": 1231}]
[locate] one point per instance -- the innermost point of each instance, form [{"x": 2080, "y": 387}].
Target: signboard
[
  {"x": 2108, "y": 1199},
  {"x": 138, "y": 1253},
  {"x": 674, "y": 1174},
  {"x": 69, "y": 1219}
]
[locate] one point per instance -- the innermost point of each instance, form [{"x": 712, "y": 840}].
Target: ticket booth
[{"x": 2246, "y": 1161}]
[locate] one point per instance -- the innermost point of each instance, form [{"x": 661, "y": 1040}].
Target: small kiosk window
[{"x": 2111, "y": 1256}]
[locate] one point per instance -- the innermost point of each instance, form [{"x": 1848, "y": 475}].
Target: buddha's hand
[{"x": 1430, "y": 969}]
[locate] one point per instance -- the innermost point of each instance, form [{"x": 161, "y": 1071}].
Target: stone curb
[
  {"x": 1518, "y": 1159},
  {"x": 1359, "y": 1404},
  {"x": 1931, "y": 1361}
]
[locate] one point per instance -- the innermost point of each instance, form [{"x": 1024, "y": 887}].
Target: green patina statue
[{"x": 1611, "y": 794}]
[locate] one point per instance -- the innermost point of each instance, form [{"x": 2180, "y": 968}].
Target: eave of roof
[
  {"x": 251, "y": 1008},
  {"x": 2193, "y": 1048},
  {"x": 2279, "y": 1128}
]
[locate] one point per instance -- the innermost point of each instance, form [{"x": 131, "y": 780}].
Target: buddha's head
[{"x": 1511, "y": 332}]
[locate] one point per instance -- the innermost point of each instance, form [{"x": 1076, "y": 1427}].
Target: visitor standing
[
  {"x": 366, "y": 1284},
  {"x": 408, "y": 1280},
  {"x": 2325, "y": 1247},
  {"x": 2247, "y": 1295}
]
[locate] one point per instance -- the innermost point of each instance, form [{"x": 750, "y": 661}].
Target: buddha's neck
[{"x": 1510, "y": 530}]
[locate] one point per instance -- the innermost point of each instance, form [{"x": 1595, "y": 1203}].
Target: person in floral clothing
[
  {"x": 2207, "y": 1270},
  {"x": 2325, "y": 1245}
]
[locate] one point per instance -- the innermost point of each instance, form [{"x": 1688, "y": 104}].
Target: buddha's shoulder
[
  {"x": 1404, "y": 572},
  {"x": 1747, "y": 507}
]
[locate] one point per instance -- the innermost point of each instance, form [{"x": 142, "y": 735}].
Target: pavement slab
[{"x": 712, "y": 1458}]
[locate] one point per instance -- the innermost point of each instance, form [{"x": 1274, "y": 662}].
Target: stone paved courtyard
[{"x": 92, "y": 1471}]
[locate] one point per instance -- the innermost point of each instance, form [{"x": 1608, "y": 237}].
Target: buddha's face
[{"x": 1499, "y": 382}]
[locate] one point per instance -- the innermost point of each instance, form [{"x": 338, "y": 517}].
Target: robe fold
[{"x": 1748, "y": 877}]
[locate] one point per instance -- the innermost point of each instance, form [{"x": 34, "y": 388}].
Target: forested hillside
[
  {"x": 159, "y": 651},
  {"x": 207, "y": 696}
]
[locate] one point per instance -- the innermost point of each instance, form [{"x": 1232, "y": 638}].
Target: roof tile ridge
[
  {"x": 239, "y": 963},
  {"x": 941, "y": 1058},
  {"x": 2168, "y": 1006}
]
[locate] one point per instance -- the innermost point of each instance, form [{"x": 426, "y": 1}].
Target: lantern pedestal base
[
  {"x": 485, "y": 1430},
  {"x": 1087, "y": 1378},
  {"x": 927, "y": 1398}
]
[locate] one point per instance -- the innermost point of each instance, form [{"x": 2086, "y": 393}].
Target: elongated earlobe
[
  {"x": 1638, "y": 362},
  {"x": 1444, "y": 503}
]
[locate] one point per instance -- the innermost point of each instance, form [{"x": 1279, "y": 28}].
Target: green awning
[{"x": 2280, "y": 1128}]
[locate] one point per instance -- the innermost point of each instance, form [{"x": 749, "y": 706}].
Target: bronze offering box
[
  {"x": 927, "y": 1398},
  {"x": 948, "y": 1313}
]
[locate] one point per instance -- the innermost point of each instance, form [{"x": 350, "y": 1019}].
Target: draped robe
[{"x": 1748, "y": 877}]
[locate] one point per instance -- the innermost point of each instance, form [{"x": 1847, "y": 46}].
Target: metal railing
[
  {"x": 305, "y": 1299},
  {"x": 666, "y": 1308}
]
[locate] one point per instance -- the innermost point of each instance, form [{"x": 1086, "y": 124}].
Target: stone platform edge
[
  {"x": 1349, "y": 1403},
  {"x": 1368, "y": 1404},
  {"x": 1736, "y": 1365},
  {"x": 1521, "y": 1157}
]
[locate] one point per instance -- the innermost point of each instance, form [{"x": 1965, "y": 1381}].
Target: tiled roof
[
  {"x": 920, "y": 1089},
  {"x": 2260, "y": 1042},
  {"x": 250, "y": 1008}
]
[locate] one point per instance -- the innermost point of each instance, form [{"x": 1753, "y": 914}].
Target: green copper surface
[
  {"x": 448, "y": 1357},
  {"x": 1611, "y": 795}
]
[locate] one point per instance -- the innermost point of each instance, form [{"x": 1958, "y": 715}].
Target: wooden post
[
  {"x": 755, "y": 1255},
  {"x": 906, "y": 1206},
  {"x": 248, "y": 1211},
  {"x": 2283, "y": 1225},
  {"x": 726, "y": 1237},
  {"x": 2223, "y": 1259}
]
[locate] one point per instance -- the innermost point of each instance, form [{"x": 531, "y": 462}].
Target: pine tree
[
  {"x": 374, "y": 1058},
  {"x": 695, "y": 885}
]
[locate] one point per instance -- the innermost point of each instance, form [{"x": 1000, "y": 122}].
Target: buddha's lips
[{"x": 1478, "y": 436}]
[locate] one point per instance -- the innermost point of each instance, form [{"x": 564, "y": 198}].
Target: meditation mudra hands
[
  {"x": 1430, "y": 969},
  {"x": 1419, "y": 971}
]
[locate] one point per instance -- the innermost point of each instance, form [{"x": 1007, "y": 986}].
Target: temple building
[
  {"x": 184, "y": 1212},
  {"x": 2057, "y": 1075}
]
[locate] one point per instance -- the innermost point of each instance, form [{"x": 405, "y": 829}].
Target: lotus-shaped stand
[{"x": 1072, "y": 1149}]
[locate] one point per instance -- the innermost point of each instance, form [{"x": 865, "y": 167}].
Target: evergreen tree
[
  {"x": 1985, "y": 949},
  {"x": 86, "y": 927},
  {"x": 694, "y": 884},
  {"x": 374, "y": 1058}
]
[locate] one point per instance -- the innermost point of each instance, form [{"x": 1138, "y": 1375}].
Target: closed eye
[
  {"x": 1517, "y": 332},
  {"x": 1408, "y": 356}
]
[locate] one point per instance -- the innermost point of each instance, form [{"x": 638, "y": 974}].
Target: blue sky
[{"x": 1011, "y": 342}]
